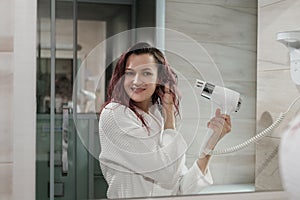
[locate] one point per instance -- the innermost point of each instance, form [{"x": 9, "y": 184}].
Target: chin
[{"x": 138, "y": 100}]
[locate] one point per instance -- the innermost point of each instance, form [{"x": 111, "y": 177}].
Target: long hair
[{"x": 116, "y": 92}]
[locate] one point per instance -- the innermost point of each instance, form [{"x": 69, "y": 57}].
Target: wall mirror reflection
[{"x": 214, "y": 41}]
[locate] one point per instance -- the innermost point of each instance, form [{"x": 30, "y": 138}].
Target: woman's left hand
[{"x": 221, "y": 125}]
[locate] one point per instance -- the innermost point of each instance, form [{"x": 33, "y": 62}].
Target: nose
[{"x": 137, "y": 79}]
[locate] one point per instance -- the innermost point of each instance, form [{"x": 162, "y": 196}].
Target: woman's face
[{"x": 140, "y": 78}]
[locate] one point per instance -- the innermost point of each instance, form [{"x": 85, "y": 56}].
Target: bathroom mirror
[{"x": 215, "y": 41}]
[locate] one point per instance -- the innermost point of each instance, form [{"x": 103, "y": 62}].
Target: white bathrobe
[
  {"x": 137, "y": 162},
  {"x": 289, "y": 161}
]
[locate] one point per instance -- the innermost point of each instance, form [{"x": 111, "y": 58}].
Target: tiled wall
[
  {"x": 24, "y": 100},
  {"x": 17, "y": 102},
  {"x": 6, "y": 97},
  {"x": 275, "y": 89},
  {"x": 227, "y": 30}
]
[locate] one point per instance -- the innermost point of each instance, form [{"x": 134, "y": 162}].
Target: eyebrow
[
  {"x": 148, "y": 68},
  {"x": 144, "y": 69}
]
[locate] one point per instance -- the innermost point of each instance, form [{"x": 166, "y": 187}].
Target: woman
[{"x": 142, "y": 154}]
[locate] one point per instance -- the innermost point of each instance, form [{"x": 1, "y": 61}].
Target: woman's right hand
[{"x": 168, "y": 109}]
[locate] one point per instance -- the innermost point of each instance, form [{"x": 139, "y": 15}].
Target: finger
[
  {"x": 218, "y": 112},
  {"x": 219, "y": 119},
  {"x": 219, "y": 128},
  {"x": 216, "y": 127},
  {"x": 167, "y": 88},
  {"x": 228, "y": 120},
  {"x": 226, "y": 117},
  {"x": 217, "y": 122},
  {"x": 226, "y": 123}
]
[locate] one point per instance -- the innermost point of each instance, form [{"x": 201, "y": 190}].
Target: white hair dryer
[{"x": 227, "y": 100}]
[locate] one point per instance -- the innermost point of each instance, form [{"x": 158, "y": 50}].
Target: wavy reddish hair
[{"x": 116, "y": 92}]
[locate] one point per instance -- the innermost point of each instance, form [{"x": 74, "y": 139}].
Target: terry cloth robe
[{"x": 141, "y": 162}]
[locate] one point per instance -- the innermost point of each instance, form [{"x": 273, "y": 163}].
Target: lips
[{"x": 137, "y": 90}]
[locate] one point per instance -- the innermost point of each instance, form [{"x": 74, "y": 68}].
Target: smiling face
[{"x": 140, "y": 79}]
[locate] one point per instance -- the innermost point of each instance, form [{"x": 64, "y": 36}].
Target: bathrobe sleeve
[
  {"x": 194, "y": 180},
  {"x": 191, "y": 180}
]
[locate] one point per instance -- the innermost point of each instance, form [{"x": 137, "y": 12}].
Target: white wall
[
  {"x": 275, "y": 89},
  {"x": 24, "y": 100},
  {"x": 6, "y": 97},
  {"x": 17, "y": 94},
  {"x": 227, "y": 30}
]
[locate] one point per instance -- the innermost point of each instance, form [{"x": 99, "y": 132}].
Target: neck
[{"x": 144, "y": 106}]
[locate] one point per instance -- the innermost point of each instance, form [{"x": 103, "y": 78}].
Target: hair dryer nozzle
[
  {"x": 199, "y": 83},
  {"x": 206, "y": 89}
]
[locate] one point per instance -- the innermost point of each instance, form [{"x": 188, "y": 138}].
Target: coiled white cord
[{"x": 257, "y": 137}]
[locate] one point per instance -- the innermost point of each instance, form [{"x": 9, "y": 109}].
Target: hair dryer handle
[{"x": 209, "y": 142}]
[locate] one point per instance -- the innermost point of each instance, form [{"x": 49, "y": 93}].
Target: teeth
[{"x": 137, "y": 89}]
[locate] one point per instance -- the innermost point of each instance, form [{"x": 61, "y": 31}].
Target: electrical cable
[{"x": 257, "y": 137}]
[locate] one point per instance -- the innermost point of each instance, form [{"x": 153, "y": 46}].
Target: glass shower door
[
  {"x": 69, "y": 95},
  {"x": 67, "y": 140},
  {"x": 56, "y": 135}
]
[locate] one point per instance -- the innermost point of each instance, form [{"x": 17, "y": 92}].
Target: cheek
[
  {"x": 152, "y": 87},
  {"x": 152, "y": 81},
  {"x": 126, "y": 86},
  {"x": 126, "y": 82},
  {"x": 155, "y": 79}
]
